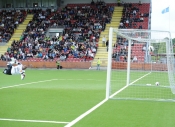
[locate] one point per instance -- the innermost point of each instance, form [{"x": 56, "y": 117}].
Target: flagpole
[{"x": 169, "y": 14}]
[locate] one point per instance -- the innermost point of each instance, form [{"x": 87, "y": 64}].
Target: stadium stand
[
  {"x": 82, "y": 30},
  {"x": 135, "y": 16},
  {"x": 9, "y": 20},
  {"x": 84, "y": 25}
]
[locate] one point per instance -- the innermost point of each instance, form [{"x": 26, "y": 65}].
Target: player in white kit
[{"x": 15, "y": 68}]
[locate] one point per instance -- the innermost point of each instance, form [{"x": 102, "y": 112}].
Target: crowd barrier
[
  {"x": 52, "y": 64},
  {"x": 87, "y": 65},
  {"x": 140, "y": 66}
]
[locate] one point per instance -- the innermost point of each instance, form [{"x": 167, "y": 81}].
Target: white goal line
[{"x": 33, "y": 121}]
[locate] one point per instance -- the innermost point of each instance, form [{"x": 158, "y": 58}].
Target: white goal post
[{"x": 140, "y": 65}]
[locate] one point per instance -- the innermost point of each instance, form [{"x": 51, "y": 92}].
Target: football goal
[{"x": 140, "y": 65}]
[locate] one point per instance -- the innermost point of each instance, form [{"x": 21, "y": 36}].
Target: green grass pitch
[{"x": 63, "y": 95}]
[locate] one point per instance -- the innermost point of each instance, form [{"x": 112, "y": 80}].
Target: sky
[{"x": 166, "y": 21}]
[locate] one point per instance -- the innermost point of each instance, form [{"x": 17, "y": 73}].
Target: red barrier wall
[
  {"x": 140, "y": 66},
  {"x": 86, "y": 65},
  {"x": 52, "y": 64}
]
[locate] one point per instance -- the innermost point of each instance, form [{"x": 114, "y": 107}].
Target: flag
[{"x": 165, "y": 10}]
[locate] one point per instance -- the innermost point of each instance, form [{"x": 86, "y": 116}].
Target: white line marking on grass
[
  {"x": 99, "y": 104},
  {"x": 33, "y": 121},
  {"x": 27, "y": 84},
  {"x": 84, "y": 79},
  {"x": 85, "y": 114}
]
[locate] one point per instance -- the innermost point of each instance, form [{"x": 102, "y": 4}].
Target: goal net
[{"x": 140, "y": 65}]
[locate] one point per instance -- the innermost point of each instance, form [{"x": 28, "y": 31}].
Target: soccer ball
[
  {"x": 157, "y": 83},
  {"x": 151, "y": 48}
]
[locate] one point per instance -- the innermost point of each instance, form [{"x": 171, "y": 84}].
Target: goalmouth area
[{"x": 148, "y": 78}]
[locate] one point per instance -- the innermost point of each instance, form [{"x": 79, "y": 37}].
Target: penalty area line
[
  {"x": 26, "y": 84},
  {"x": 101, "y": 103},
  {"x": 32, "y": 121}
]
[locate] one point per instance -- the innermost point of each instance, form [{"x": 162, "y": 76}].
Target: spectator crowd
[
  {"x": 9, "y": 20},
  {"x": 82, "y": 24}
]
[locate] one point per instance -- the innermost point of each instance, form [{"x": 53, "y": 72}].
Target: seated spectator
[
  {"x": 134, "y": 59},
  {"x": 140, "y": 27},
  {"x": 117, "y": 56},
  {"x": 65, "y": 49},
  {"x": 121, "y": 25},
  {"x": 141, "y": 19},
  {"x": 16, "y": 22},
  {"x": 94, "y": 50},
  {"x": 4, "y": 39},
  {"x": 90, "y": 54},
  {"x": 144, "y": 48},
  {"x": 100, "y": 27},
  {"x": 45, "y": 56},
  {"x": 24, "y": 56},
  {"x": 62, "y": 57},
  {"x": 93, "y": 38},
  {"x": 127, "y": 23},
  {"x": 2, "y": 58},
  {"x": 55, "y": 24},
  {"x": 30, "y": 55},
  {"x": 81, "y": 54},
  {"x": 132, "y": 43},
  {"x": 75, "y": 53},
  {"x": 134, "y": 13},
  {"x": 140, "y": 3},
  {"x": 40, "y": 55},
  {"x": 2, "y": 25},
  {"x": 125, "y": 58},
  {"x": 7, "y": 57},
  {"x": 50, "y": 55}
]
